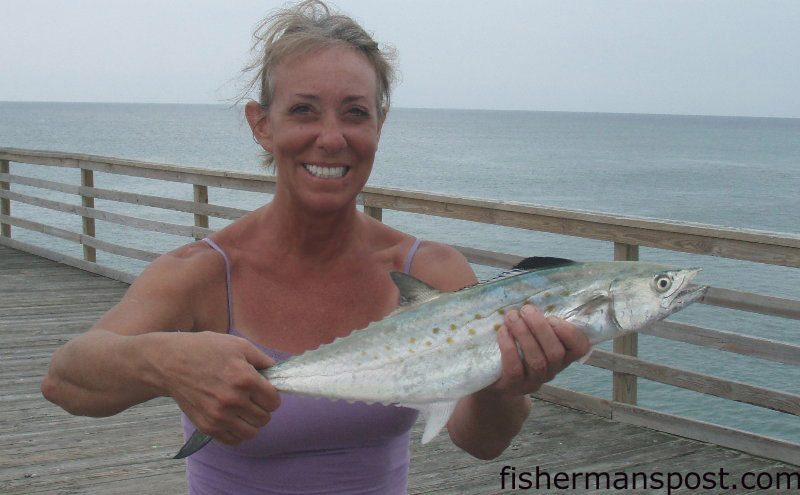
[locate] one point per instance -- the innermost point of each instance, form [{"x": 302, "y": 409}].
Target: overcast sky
[{"x": 726, "y": 57}]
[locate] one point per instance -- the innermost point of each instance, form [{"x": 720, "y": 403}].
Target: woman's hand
[
  {"x": 214, "y": 379},
  {"x": 534, "y": 349}
]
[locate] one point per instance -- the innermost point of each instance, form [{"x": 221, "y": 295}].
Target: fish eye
[{"x": 662, "y": 283}]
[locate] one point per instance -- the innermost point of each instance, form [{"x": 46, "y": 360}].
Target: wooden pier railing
[{"x": 626, "y": 233}]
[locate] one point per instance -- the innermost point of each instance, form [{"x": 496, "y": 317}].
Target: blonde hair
[{"x": 308, "y": 26}]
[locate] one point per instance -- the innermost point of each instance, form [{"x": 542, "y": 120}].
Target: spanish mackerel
[{"x": 439, "y": 347}]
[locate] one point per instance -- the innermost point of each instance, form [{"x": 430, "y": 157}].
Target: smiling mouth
[{"x": 326, "y": 172}]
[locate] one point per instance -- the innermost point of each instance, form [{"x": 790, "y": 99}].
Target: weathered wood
[
  {"x": 575, "y": 400},
  {"x": 69, "y": 260},
  {"x": 5, "y": 204},
  {"x": 211, "y": 210},
  {"x": 376, "y": 213},
  {"x": 47, "y": 158},
  {"x": 698, "y": 382},
  {"x": 759, "y": 246},
  {"x": 186, "y": 175},
  {"x": 755, "y": 303},
  {"x": 68, "y": 235},
  {"x": 624, "y": 386},
  {"x": 200, "y": 197},
  {"x": 134, "y": 168},
  {"x": 726, "y": 341},
  {"x": 87, "y": 180},
  {"x": 708, "y": 432},
  {"x": 763, "y": 247},
  {"x": 139, "y": 223},
  {"x": 677, "y": 425}
]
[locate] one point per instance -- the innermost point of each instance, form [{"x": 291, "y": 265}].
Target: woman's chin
[{"x": 328, "y": 202}]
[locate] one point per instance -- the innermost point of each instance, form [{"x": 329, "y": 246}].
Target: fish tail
[{"x": 197, "y": 441}]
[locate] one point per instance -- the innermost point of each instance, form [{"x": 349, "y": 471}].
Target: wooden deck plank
[{"x": 45, "y": 450}]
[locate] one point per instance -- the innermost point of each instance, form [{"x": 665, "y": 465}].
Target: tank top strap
[
  {"x": 228, "y": 288},
  {"x": 410, "y": 256}
]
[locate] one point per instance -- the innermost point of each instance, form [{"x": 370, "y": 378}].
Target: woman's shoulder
[
  {"x": 171, "y": 293},
  {"x": 194, "y": 261},
  {"x": 435, "y": 263},
  {"x": 181, "y": 274},
  {"x": 442, "y": 266}
]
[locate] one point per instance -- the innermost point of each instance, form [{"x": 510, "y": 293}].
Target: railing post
[
  {"x": 87, "y": 180},
  {"x": 624, "y": 384},
  {"x": 5, "y": 203},
  {"x": 200, "y": 196},
  {"x": 374, "y": 212}
]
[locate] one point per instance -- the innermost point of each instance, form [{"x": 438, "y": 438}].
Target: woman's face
[{"x": 323, "y": 127}]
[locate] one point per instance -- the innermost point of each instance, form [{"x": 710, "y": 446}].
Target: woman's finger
[
  {"x": 510, "y": 360},
  {"x": 548, "y": 340},
  {"x": 535, "y": 360}
]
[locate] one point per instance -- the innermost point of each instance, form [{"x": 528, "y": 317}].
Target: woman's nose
[{"x": 331, "y": 136}]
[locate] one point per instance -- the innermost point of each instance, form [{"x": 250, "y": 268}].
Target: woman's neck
[{"x": 310, "y": 234}]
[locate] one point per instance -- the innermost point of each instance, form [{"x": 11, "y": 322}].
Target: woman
[{"x": 296, "y": 273}]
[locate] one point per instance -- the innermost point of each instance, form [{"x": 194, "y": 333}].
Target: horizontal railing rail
[{"x": 626, "y": 233}]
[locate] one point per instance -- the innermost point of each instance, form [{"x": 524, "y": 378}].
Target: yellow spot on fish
[
  {"x": 411, "y": 351},
  {"x": 449, "y": 340},
  {"x": 453, "y": 328},
  {"x": 387, "y": 348},
  {"x": 472, "y": 331},
  {"x": 427, "y": 343},
  {"x": 547, "y": 294},
  {"x": 497, "y": 327},
  {"x": 436, "y": 330},
  {"x": 412, "y": 340},
  {"x": 565, "y": 293},
  {"x": 550, "y": 308},
  {"x": 501, "y": 312},
  {"x": 478, "y": 316}
]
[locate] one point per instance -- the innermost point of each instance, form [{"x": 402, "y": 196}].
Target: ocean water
[{"x": 727, "y": 171}]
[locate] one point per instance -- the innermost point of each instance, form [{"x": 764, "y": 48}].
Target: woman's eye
[
  {"x": 300, "y": 109},
  {"x": 358, "y": 112}
]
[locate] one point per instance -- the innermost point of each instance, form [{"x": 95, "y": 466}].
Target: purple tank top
[{"x": 311, "y": 445}]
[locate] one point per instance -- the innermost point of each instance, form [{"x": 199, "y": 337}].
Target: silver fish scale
[{"x": 442, "y": 349}]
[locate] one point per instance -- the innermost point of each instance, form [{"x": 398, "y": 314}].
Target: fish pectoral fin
[
  {"x": 436, "y": 415},
  {"x": 593, "y": 302},
  {"x": 197, "y": 441},
  {"x": 413, "y": 290}
]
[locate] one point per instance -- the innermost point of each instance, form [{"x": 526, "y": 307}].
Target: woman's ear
[{"x": 259, "y": 123}]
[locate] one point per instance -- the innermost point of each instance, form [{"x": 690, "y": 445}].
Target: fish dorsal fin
[
  {"x": 496, "y": 278},
  {"x": 413, "y": 290},
  {"x": 541, "y": 263}
]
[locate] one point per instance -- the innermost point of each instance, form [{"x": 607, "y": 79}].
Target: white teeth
[{"x": 325, "y": 172}]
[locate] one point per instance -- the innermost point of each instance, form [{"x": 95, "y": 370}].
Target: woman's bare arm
[{"x": 135, "y": 353}]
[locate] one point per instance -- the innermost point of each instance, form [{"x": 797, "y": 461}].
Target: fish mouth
[{"x": 690, "y": 293}]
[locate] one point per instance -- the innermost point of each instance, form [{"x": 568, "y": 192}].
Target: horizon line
[{"x": 601, "y": 112}]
